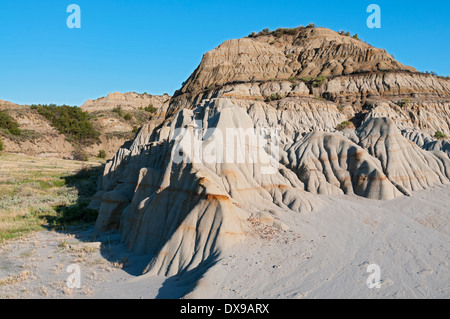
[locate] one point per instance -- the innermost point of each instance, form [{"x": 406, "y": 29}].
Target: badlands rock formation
[
  {"x": 127, "y": 101},
  {"x": 266, "y": 126}
]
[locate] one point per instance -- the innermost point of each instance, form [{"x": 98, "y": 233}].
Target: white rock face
[
  {"x": 186, "y": 211},
  {"x": 331, "y": 164},
  {"x": 405, "y": 163}
]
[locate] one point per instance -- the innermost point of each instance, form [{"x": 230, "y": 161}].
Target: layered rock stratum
[{"x": 270, "y": 125}]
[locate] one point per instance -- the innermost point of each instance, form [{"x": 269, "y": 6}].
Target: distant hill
[{"x": 116, "y": 117}]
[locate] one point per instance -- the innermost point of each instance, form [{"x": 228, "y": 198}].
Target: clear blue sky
[{"x": 153, "y": 46}]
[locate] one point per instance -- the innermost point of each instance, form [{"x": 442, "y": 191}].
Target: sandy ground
[{"x": 324, "y": 254}]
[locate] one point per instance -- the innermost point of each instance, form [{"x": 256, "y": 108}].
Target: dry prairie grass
[{"x": 33, "y": 191}]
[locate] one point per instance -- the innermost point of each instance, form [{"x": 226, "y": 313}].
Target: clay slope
[
  {"x": 187, "y": 212},
  {"x": 405, "y": 163},
  {"x": 331, "y": 164}
]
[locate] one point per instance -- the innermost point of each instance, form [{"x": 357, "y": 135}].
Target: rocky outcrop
[{"x": 306, "y": 52}]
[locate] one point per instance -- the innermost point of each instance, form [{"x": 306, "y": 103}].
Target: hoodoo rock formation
[{"x": 266, "y": 126}]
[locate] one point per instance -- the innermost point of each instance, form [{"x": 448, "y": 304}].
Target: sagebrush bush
[
  {"x": 439, "y": 135},
  {"x": 343, "y": 125},
  {"x": 314, "y": 81},
  {"x": 79, "y": 155},
  {"x": 275, "y": 97},
  {"x": 118, "y": 110},
  {"x": 150, "y": 109},
  {"x": 8, "y": 123},
  {"x": 101, "y": 154},
  {"x": 127, "y": 117}
]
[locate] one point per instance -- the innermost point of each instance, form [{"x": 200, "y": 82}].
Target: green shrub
[
  {"x": 277, "y": 33},
  {"x": 403, "y": 102},
  {"x": 343, "y": 125},
  {"x": 127, "y": 117},
  {"x": 150, "y": 109},
  {"x": 118, "y": 111},
  {"x": 275, "y": 96},
  {"x": 311, "y": 25},
  {"x": 9, "y": 124},
  {"x": 71, "y": 121},
  {"x": 101, "y": 154},
  {"x": 135, "y": 129},
  {"x": 2, "y": 146},
  {"x": 315, "y": 81},
  {"x": 318, "y": 81},
  {"x": 439, "y": 135}
]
